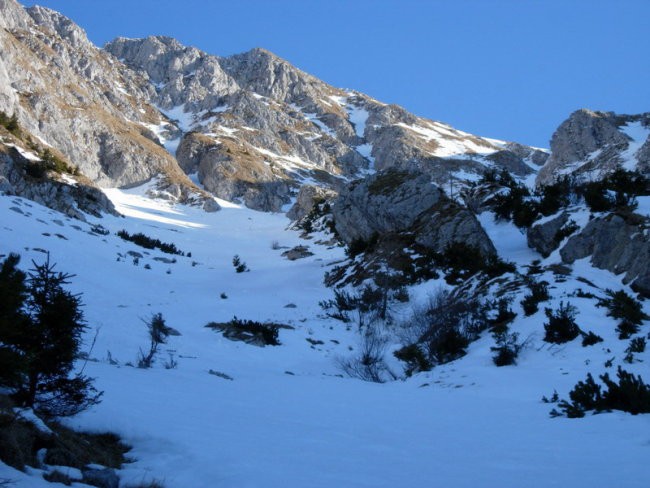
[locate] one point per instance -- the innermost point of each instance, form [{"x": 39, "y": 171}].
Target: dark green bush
[
  {"x": 555, "y": 196},
  {"x": 11, "y": 124},
  {"x": 504, "y": 316},
  {"x": 589, "y": 339},
  {"x": 461, "y": 261},
  {"x": 637, "y": 345},
  {"x": 414, "y": 358},
  {"x": 359, "y": 245},
  {"x": 239, "y": 265},
  {"x": 445, "y": 328},
  {"x": 538, "y": 293},
  {"x": 568, "y": 229},
  {"x": 338, "y": 308},
  {"x": 622, "y": 306},
  {"x": 630, "y": 394},
  {"x": 507, "y": 347},
  {"x": 41, "y": 327},
  {"x": 147, "y": 242},
  {"x": 617, "y": 191},
  {"x": 249, "y": 331},
  {"x": 561, "y": 326}
]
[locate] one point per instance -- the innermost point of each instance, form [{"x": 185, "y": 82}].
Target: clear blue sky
[{"x": 509, "y": 69}]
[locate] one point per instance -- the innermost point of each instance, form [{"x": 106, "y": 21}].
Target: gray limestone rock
[
  {"x": 592, "y": 144},
  {"x": 267, "y": 127},
  {"x": 233, "y": 170},
  {"x": 78, "y": 99},
  {"x": 73, "y": 199},
  {"x": 620, "y": 244},
  {"x": 397, "y": 201},
  {"x": 308, "y": 196},
  {"x": 541, "y": 236},
  {"x": 304, "y": 127}
]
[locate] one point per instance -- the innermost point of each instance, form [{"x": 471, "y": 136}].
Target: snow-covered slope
[{"x": 288, "y": 417}]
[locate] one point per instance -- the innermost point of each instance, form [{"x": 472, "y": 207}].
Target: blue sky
[{"x": 509, "y": 69}]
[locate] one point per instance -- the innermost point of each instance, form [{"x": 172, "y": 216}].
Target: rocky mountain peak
[
  {"x": 13, "y": 15},
  {"x": 249, "y": 127},
  {"x": 256, "y": 106},
  {"x": 77, "y": 100},
  {"x": 60, "y": 24},
  {"x": 591, "y": 144}
]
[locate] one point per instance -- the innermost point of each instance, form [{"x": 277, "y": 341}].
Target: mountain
[
  {"x": 434, "y": 308},
  {"x": 255, "y": 127},
  {"x": 73, "y": 97},
  {"x": 592, "y": 144}
]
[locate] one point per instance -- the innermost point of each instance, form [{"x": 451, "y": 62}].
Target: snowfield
[{"x": 288, "y": 417}]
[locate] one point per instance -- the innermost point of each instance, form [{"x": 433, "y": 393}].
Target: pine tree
[
  {"x": 13, "y": 293},
  {"x": 40, "y": 337}
]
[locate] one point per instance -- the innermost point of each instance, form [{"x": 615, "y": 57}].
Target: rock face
[
  {"x": 80, "y": 100},
  {"x": 617, "y": 244},
  {"x": 542, "y": 236},
  {"x": 75, "y": 197},
  {"x": 308, "y": 196},
  {"x": 591, "y": 144},
  {"x": 251, "y": 127},
  {"x": 274, "y": 123},
  {"x": 397, "y": 201}
]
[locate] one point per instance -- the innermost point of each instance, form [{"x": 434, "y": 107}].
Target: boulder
[
  {"x": 308, "y": 196},
  {"x": 616, "y": 243},
  {"x": 396, "y": 201},
  {"x": 542, "y": 236}
]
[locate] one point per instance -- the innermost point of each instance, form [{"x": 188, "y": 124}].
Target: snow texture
[{"x": 288, "y": 418}]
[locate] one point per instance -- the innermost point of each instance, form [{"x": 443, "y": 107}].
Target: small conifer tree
[{"x": 41, "y": 325}]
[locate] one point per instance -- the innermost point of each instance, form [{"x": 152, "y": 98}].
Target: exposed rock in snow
[
  {"x": 591, "y": 144},
  {"x": 397, "y": 201},
  {"x": 616, "y": 243}
]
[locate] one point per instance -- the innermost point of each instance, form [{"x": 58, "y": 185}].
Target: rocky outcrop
[
  {"x": 620, "y": 244},
  {"x": 298, "y": 124},
  {"x": 78, "y": 99},
  {"x": 266, "y": 127},
  {"x": 397, "y": 201},
  {"x": 542, "y": 236},
  {"x": 591, "y": 144},
  {"x": 234, "y": 170},
  {"x": 73, "y": 196},
  {"x": 308, "y": 197}
]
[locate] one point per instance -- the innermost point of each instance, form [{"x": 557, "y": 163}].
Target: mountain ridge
[{"x": 427, "y": 306}]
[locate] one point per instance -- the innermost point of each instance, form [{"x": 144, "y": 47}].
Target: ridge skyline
[{"x": 510, "y": 86}]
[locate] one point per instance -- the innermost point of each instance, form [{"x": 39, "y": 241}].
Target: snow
[
  {"x": 638, "y": 134},
  {"x": 313, "y": 118},
  {"x": 184, "y": 119},
  {"x": 358, "y": 117},
  {"x": 339, "y": 100},
  {"x": 643, "y": 205},
  {"x": 122, "y": 90},
  {"x": 23, "y": 152},
  {"x": 464, "y": 424},
  {"x": 290, "y": 163},
  {"x": 366, "y": 151},
  {"x": 28, "y": 415},
  {"x": 449, "y": 141},
  {"x": 508, "y": 239}
]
